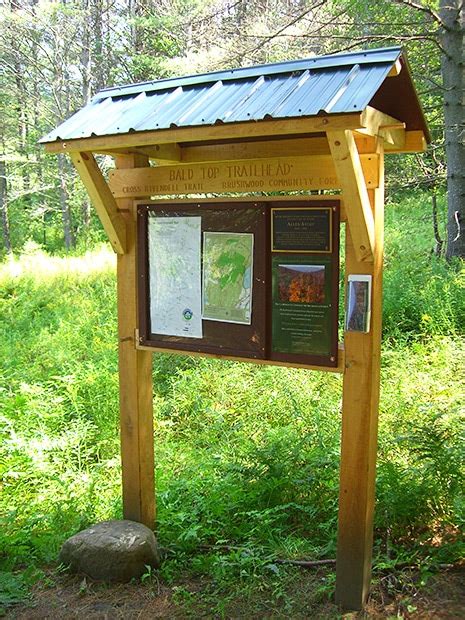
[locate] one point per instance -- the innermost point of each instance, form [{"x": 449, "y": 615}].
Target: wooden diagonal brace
[
  {"x": 102, "y": 199},
  {"x": 359, "y": 214}
]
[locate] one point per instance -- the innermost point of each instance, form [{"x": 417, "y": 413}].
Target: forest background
[
  {"x": 247, "y": 457},
  {"x": 57, "y": 55}
]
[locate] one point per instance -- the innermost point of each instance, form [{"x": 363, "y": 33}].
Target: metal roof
[{"x": 335, "y": 84}]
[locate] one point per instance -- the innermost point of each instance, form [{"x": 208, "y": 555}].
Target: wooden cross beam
[{"x": 272, "y": 174}]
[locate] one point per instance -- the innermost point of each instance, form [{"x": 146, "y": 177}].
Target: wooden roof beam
[
  {"x": 229, "y": 151},
  {"x": 415, "y": 142},
  {"x": 395, "y": 69},
  {"x": 163, "y": 153},
  {"x": 293, "y": 147},
  {"x": 378, "y": 124},
  {"x": 358, "y": 209},
  {"x": 221, "y": 131},
  {"x": 102, "y": 199}
]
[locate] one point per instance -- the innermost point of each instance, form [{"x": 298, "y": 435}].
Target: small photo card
[{"x": 358, "y": 303}]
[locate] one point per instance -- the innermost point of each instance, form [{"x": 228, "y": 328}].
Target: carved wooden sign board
[
  {"x": 263, "y": 175},
  {"x": 253, "y": 280}
]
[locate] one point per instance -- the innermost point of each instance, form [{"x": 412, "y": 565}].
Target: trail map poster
[
  {"x": 227, "y": 277},
  {"x": 175, "y": 277},
  {"x": 212, "y": 296}
]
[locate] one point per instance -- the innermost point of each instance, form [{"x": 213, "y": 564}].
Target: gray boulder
[{"x": 111, "y": 551}]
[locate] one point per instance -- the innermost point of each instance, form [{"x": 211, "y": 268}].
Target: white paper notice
[{"x": 175, "y": 276}]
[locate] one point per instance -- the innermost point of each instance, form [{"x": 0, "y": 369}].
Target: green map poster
[
  {"x": 301, "y": 305},
  {"x": 227, "y": 277}
]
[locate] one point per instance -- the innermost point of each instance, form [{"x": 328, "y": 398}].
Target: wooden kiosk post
[
  {"x": 360, "y": 392},
  {"x": 135, "y": 377},
  {"x": 265, "y": 135}
]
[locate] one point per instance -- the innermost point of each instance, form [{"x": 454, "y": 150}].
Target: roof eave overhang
[
  {"x": 398, "y": 97},
  {"x": 263, "y": 129},
  {"x": 274, "y": 129}
]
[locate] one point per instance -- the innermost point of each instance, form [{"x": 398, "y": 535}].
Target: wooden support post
[
  {"x": 360, "y": 424},
  {"x": 135, "y": 379}
]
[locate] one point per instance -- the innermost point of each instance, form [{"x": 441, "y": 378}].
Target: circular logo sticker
[{"x": 187, "y": 314}]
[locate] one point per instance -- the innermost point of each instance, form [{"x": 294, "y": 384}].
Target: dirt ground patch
[
  {"x": 393, "y": 596},
  {"x": 77, "y": 597},
  {"x": 401, "y": 596}
]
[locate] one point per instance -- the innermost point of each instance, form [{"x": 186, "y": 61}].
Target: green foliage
[
  {"x": 247, "y": 456},
  {"x": 57, "y": 421},
  {"x": 14, "y": 587},
  {"x": 420, "y": 468},
  {"x": 423, "y": 295},
  {"x": 58, "y": 55}
]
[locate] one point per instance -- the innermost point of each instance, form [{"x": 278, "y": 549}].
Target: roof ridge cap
[{"x": 288, "y": 66}]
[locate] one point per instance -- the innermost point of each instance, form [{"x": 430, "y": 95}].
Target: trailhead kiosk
[{"x": 255, "y": 276}]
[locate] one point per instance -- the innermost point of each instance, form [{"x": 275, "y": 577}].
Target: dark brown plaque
[{"x": 302, "y": 229}]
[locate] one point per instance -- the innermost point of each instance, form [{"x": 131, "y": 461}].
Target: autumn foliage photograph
[{"x": 303, "y": 284}]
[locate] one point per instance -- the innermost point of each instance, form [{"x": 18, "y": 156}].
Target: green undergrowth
[
  {"x": 423, "y": 295},
  {"x": 247, "y": 456}
]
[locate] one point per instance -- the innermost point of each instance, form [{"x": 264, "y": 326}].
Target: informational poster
[
  {"x": 301, "y": 305},
  {"x": 227, "y": 277},
  {"x": 358, "y": 303},
  {"x": 175, "y": 276}
]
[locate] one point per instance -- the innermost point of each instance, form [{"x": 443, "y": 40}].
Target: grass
[{"x": 247, "y": 456}]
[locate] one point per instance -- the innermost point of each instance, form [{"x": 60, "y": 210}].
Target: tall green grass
[
  {"x": 247, "y": 457},
  {"x": 423, "y": 294}
]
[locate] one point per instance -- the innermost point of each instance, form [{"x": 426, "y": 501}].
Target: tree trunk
[
  {"x": 85, "y": 212},
  {"x": 452, "y": 13},
  {"x": 139, "y": 8},
  {"x": 23, "y": 104},
  {"x": 85, "y": 59},
  {"x": 4, "y": 208},
  {"x": 98, "y": 69},
  {"x": 64, "y": 204}
]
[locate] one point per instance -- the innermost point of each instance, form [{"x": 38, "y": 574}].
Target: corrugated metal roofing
[{"x": 335, "y": 84}]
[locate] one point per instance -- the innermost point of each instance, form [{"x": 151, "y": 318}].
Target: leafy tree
[{"x": 56, "y": 55}]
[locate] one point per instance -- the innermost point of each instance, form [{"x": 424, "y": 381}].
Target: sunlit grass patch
[{"x": 38, "y": 265}]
